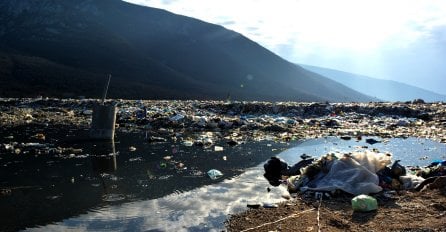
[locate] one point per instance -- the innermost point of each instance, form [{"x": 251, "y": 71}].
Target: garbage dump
[
  {"x": 355, "y": 174},
  {"x": 282, "y": 121},
  {"x": 32, "y": 127}
]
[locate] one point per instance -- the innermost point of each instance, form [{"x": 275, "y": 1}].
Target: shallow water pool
[{"x": 140, "y": 190}]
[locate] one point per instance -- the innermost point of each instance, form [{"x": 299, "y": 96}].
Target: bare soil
[{"x": 407, "y": 211}]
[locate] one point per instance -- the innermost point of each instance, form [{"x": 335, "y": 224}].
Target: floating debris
[
  {"x": 214, "y": 174},
  {"x": 135, "y": 159},
  {"x": 372, "y": 141}
]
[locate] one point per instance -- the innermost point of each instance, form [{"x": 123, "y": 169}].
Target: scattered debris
[
  {"x": 207, "y": 123},
  {"x": 214, "y": 174},
  {"x": 282, "y": 121}
]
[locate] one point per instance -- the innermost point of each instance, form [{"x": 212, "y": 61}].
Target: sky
[{"x": 402, "y": 40}]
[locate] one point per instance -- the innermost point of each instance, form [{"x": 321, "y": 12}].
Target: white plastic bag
[{"x": 355, "y": 174}]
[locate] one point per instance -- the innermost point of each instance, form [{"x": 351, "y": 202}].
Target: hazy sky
[{"x": 403, "y": 40}]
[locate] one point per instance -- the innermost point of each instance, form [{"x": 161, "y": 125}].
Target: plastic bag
[
  {"x": 364, "y": 203},
  {"x": 411, "y": 181},
  {"x": 214, "y": 174},
  {"x": 355, "y": 174}
]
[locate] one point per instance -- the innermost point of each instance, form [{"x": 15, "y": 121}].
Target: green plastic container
[{"x": 364, "y": 203}]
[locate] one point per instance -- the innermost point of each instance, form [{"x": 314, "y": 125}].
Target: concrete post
[{"x": 103, "y": 122}]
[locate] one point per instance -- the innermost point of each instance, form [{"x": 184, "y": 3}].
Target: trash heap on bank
[{"x": 355, "y": 174}]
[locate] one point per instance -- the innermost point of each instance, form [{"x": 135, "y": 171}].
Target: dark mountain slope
[
  {"x": 383, "y": 89},
  {"x": 151, "y": 53}
]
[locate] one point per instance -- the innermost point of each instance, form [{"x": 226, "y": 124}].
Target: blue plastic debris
[{"x": 214, "y": 174}]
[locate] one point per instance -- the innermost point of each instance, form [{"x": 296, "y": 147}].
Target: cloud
[
  {"x": 167, "y": 2},
  {"x": 227, "y": 23},
  {"x": 347, "y": 24},
  {"x": 204, "y": 208}
]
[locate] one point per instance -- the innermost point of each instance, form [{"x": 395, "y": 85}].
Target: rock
[
  {"x": 403, "y": 123},
  {"x": 305, "y": 156},
  {"x": 372, "y": 141},
  {"x": 232, "y": 142},
  {"x": 253, "y": 205}
]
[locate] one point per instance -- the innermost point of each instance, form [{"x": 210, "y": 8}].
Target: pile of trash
[
  {"x": 282, "y": 121},
  {"x": 355, "y": 174}
]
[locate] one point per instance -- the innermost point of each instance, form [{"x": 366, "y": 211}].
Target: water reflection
[
  {"x": 103, "y": 159},
  {"x": 89, "y": 177},
  {"x": 206, "y": 208},
  {"x": 201, "y": 209},
  {"x": 411, "y": 151},
  {"x": 46, "y": 189},
  {"x": 104, "y": 164}
]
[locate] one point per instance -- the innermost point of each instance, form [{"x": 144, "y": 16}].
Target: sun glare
[{"x": 358, "y": 26}]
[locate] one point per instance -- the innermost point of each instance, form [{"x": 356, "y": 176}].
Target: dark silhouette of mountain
[
  {"x": 387, "y": 90},
  {"x": 66, "y": 48}
]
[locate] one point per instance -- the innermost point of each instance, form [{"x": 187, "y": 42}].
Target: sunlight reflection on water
[{"x": 206, "y": 208}]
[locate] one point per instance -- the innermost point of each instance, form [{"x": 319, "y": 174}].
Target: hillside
[
  {"x": 65, "y": 48},
  {"x": 387, "y": 90}
]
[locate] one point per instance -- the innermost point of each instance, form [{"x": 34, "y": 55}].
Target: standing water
[{"x": 134, "y": 185}]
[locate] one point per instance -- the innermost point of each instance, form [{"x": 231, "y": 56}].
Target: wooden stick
[{"x": 269, "y": 223}]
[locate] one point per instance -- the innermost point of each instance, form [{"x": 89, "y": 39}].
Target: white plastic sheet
[{"x": 355, "y": 174}]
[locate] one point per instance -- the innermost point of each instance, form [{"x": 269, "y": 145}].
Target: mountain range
[
  {"x": 65, "y": 48},
  {"x": 387, "y": 90}
]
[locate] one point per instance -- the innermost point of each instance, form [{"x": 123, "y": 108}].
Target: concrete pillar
[{"x": 103, "y": 122}]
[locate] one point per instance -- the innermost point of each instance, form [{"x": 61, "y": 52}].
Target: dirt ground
[{"x": 406, "y": 211}]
